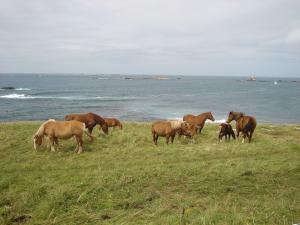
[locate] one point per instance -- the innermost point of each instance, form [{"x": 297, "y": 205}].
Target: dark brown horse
[
  {"x": 199, "y": 120},
  {"x": 225, "y": 129},
  {"x": 244, "y": 124},
  {"x": 90, "y": 120}
]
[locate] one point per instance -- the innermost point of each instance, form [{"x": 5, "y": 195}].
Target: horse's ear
[{"x": 242, "y": 114}]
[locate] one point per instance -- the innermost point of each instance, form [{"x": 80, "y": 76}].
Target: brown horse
[
  {"x": 90, "y": 120},
  {"x": 113, "y": 122},
  {"x": 199, "y": 120},
  {"x": 169, "y": 129},
  {"x": 55, "y": 130},
  {"x": 244, "y": 124}
]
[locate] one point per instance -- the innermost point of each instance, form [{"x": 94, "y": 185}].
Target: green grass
[{"x": 123, "y": 178}]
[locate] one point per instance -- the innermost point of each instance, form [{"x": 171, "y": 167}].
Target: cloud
[
  {"x": 133, "y": 36},
  {"x": 293, "y": 37}
]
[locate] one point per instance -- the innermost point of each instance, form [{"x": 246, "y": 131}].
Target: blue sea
[{"x": 145, "y": 98}]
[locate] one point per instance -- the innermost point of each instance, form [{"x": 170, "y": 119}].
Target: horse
[
  {"x": 199, "y": 120},
  {"x": 168, "y": 129},
  {"x": 90, "y": 120},
  {"x": 225, "y": 129},
  {"x": 113, "y": 122},
  {"x": 177, "y": 125},
  {"x": 55, "y": 130},
  {"x": 244, "y": 124}
]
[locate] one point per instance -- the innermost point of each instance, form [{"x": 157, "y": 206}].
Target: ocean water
[{"x": 144, "y": 98}]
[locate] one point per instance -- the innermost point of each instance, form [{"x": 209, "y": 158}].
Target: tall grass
[{"x": 123, "y": 178}]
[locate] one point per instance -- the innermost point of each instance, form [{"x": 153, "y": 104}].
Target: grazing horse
[
  {"x": 168, "y": 129},
  {"x": 113, "y": 122},
  {"x": 226, "y": 130},
  {"x": 244, "y": 124},
  {"x": 55, "y": 130},
  {"x": 199, "y": 120},
  {"x": 177, "y": 125},
  {"x": 90, "y": 120}
]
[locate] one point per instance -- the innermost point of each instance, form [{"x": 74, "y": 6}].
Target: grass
[{"x": 123, "y": 178}]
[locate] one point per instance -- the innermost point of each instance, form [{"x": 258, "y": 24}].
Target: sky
[{"x": 166, "y": 37}]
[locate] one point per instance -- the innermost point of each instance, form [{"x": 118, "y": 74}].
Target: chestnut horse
[
  {"x": 199, "y": 120},
  {"x": 169, "y": 129},
  {"x": 113, "y": 122},
  {"x": 90, "y": 120},
  {"x": 244, "y": 124},
  {"x": 55, "y": 130}
]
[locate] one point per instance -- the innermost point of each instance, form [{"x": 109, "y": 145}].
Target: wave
[
  {"x": 16, "y": 96},
  {"x": 100, "y": 98},
  {"x": 23, "y": 89},
  {"x": 16, "y": 89}
]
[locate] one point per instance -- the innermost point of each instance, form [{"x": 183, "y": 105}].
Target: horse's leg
[
  {"x": 52, "y": 140},
  {"x": 244, "y": 136},
  {"x": 172, "y": 138},
  {"x": 220, "y": 137},
  {"x": 156, "y": 138},
  {"x": 90, "y": 130},
  {"x": 79, "y": 143},
  {"x": 167, "y": 138},
  {"x": 56, "y": 141},
  {"x": 153, "y": 136},
  {"x": 250, "y": 136},
  {"x": 237, "y": 132}
]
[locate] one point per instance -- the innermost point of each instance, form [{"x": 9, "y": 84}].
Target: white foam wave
[
  {"x": 102, "y": 98},
  {"x": 23, "y": 89},
  {"x": 17, "y": 96}
]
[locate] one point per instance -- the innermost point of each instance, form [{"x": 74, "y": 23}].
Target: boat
[{"x": 252, "y": 78}]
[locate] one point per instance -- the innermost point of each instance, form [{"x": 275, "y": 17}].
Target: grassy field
[{"x": 123, "y": 178}]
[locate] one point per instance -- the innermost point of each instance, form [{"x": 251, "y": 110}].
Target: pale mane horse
[{"x": 55, "y": 130}]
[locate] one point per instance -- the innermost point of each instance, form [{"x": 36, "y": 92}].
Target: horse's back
[
  {"x": 65, "y": 129},
  {"x": 161, "y": 127},
  {"x": 189, "y": 118}
]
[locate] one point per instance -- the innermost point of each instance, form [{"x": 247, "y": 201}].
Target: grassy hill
[{"x": 123, "y": 178}]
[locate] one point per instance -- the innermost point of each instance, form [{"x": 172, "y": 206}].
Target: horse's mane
[
  {"x": 99, "y": 119},
  {"x": 205, "y": 113},
  {"x": 40, "y": 131}
]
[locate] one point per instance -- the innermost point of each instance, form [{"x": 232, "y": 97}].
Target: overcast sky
[{"x": 194, "y": 37}]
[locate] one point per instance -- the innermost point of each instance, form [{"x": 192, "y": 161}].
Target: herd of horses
[{"x": 76, "y": 125}]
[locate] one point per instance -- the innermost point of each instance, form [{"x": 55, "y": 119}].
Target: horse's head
[
  {"x": 68, "y": 117},
  {"x": 104, "y": 128},
  {"x": 188, "y": 129},
  {"x": 37, "y": 141},
  {"x": 210, "y": 117},
  {"x": 234, "y": 116}
]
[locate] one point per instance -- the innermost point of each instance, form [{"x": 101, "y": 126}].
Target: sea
[{"x": 26, "y": 97}]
